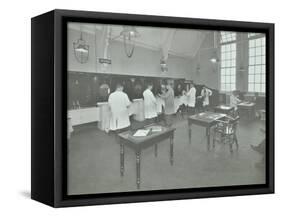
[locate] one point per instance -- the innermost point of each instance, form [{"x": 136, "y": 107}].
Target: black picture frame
[{"x": 49, "y": 106}]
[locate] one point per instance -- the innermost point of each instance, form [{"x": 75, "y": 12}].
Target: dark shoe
[{"x": 257, "y": 149}]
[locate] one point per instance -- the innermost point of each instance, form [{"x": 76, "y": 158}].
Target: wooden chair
[{"x": 225, "y": 132}]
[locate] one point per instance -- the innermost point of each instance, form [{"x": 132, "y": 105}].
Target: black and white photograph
[{"x": 154, "y": 108}]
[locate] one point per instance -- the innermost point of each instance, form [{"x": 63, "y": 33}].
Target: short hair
[
  {"x": 149, "y": 83},
  {"x": 118, "y": 85}
]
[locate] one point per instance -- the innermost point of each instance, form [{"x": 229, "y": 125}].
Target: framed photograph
[{"x": 134, "y": 108}]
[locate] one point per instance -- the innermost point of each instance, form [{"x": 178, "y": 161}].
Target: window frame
[
  {"x": 261, "y": 66},
  {"x": 233, "y": 67}
]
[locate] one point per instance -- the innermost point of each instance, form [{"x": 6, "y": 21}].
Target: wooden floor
[{"x": 94, "y": 160}]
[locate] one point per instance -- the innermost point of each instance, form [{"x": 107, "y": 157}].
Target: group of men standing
[{"x": 119, "y": 104}]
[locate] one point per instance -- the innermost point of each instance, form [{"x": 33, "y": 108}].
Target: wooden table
[
  {"x": 224, "y": 109},
  {"x": 249, "y": 108},
  {"x": 204, "y": 119},
  {"x": 140, "y": 143}
]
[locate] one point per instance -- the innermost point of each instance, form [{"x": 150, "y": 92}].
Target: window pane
[
  {"x": 228, "y": 61},
  {"x": 252, "y": 52},
  {"x": 256, "y": 70},
  {"x": 257, "y": 87},
  {"x": 251, "y": 78},
  {"x": 258, "y": 42},
  {"x": 252, "y": 61},
  {"x": 257, "y": 79},
  {"x": 227, "y": 87},
  {"x": 251, "y": 43},
  {"x": 263, "y": 68},
  {"x": 258, "y": 51},
  {"x": 258, "y": 60},
  {"x": 263, "y": 87},
  {"x": 263, "y": 50},
  {"x": 263, "y": 78},
  {"x": 251, "y": 87},
  {"x": 251, "y": 69},
  {"x": 227, "y": 79},
  {"x": 263, "y": 59},
  {"x": 263, "y": 41}
]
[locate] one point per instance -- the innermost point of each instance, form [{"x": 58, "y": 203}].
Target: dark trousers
[
  {"x": 168, "y": 120},
  {"x": 150, "y": 121},
  {"x": 191, "y": 110}
]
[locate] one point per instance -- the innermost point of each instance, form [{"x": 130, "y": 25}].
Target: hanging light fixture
[
  {"x": 81, "y": 49},
  {"x": 163, "y": 64},
  {"x": 215, "y": 58},
  {"x": 129, "y": 33}
]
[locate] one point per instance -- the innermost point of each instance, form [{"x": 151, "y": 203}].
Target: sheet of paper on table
[
  {"x": 225, "y": 107},
  {"x": 246, "y": 104},
  {"x": 141, "y": 133}
]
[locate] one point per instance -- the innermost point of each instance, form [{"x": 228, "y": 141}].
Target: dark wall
[{"x": 90, "y": 88}]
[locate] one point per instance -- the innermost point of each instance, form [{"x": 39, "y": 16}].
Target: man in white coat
[
  {"x": 191, "y": 97},
  {"x": 205, "y": 94},
  {"x": 119, "y": 103},
  {"x": 234, "y": 100},
  {"x": 150, "y": 105}
]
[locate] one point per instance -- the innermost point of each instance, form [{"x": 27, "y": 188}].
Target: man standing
[
  {"x": 234, "y": 100},
  {"x": 205, "y": 93},
  {"x": 119, "y": 103},
  {"x": 169, "y": 98},
  {"x": 150, "y": 106},
  {"x": 191, "y": 97}
]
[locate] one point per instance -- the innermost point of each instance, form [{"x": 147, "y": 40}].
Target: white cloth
[
  {"x": 234, "y": 101},
  {"x": 183, "y": 100},
  {"x": 191, "y": 97},
  {"x": 150, "y": 106},
  {"x": 160, "y": 105},
  {"x": 205, "y": 93},
  {"x": 119, "y": 102}
]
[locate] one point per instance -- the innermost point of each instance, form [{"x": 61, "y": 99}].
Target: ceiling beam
[
  {"x": 105, "y": 37},
  {"x": 167, "y": 42}
]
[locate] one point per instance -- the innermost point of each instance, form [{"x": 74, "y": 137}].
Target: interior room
[{"x": 214, "y": 135}]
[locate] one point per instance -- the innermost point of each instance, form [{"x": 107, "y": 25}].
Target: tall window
[
  {"x": 256, "y": 75},
  {"x": 228, "y": 61}
]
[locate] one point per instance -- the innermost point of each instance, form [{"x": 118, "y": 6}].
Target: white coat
[
  {"x": 119, "y": 102},
  {"x": 205, "y": 93},
  {"x": 191, "y": 97},
  {"x": 150, "y": 106},
  {"x": 234, "y": 101}
]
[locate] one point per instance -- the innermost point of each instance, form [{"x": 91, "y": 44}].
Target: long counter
[{"x": 101, "y": 113}]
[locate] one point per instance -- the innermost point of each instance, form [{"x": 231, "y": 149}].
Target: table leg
[
  {"x": 122, "y": 159},
  {"x": 189, "y": 132},
  {"x": 172, "y": 149},
  {"x": 155, "y": 150},
  {"x": 138, "y": 162},
  {"x": 208, "y": 137}
]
